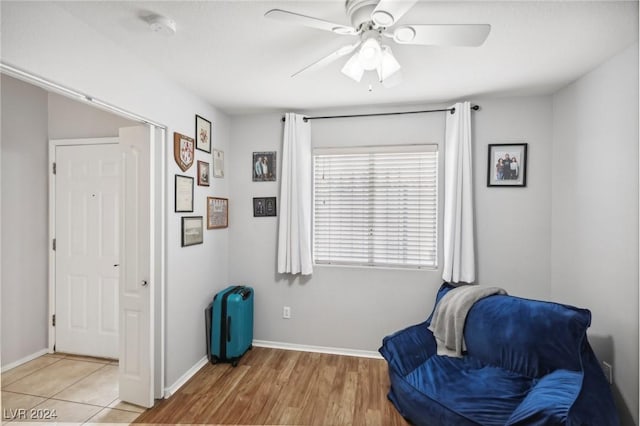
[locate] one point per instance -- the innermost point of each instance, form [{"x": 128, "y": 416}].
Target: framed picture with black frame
[
  {"x": 203, "y": 173},
  {"x": 507, "y": 165},
  {"x": 192, "y": 231},
  {"x": 203, "y": 134},
  {"x": 263, "y": 165},
  {"x": 183, "y": 194},
  {"x": 264, "y": 207}
]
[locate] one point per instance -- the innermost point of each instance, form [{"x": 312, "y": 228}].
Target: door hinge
[
  {"x": 54, "y": 168},
  {"x": 53, "y": 244},
  {"x": 53, "y": 320}
]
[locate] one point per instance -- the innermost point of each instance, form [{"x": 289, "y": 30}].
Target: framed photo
[
  {"x": 218, "y": 163},
  {"x": 507, "y": 164},
  {"x": 183, "y": 151},
  {"x": 203, "y": 173},
  {"x": 203, "y": 134},
  {"x": 263, "y": 165},
  {"x": 264, "y": 206},
  {"x": 217, "y": 212},
  {"x": 192, "y": 233},
  {"x": 183, "y": 194}
]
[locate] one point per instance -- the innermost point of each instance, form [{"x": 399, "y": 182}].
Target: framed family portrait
[
  {"x": 183, "y": 151},
  {"x": 263, "y": 165},
  {"x": 264, "y": 206},
  {"x": 192, "y": 232},
  {"x": 217, "y": 212},
  {"x": 203, "y": 134},
  {"x": 507, "y": 165},
  {"x": 203, "y": 173},
  {"x": 183, "y": 194}
]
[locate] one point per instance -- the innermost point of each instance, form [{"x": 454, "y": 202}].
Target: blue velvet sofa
[{"x": 527, "y": 363}]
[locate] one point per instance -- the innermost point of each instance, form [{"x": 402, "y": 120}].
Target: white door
[
  {"x": 87, "y": 215},
  {"x": 136, "y": 289}
]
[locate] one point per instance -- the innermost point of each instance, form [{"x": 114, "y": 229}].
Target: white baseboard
[
  {"x": 25, "y": 359},
  {"x": 318, "y": 349},
  {"x": 168, "y": 391}
]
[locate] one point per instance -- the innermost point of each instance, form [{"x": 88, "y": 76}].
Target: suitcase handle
[{"x": 228, "y": 329}]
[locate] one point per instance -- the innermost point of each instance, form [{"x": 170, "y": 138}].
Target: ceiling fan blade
[
  {"x": 344, "y": 50},
  {"x": 442, "y": 35},
  {"x": 308, "y": 21},
  {"x": 388, "y": 12}
]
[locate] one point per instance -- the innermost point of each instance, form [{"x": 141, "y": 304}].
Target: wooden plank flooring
[{"x": 278, "y": 387}]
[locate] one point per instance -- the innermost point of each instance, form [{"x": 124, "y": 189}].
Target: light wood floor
[{"x": 278, "y": 387}]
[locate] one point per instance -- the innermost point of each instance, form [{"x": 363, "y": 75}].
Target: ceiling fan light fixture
[
  {"x": 389, "y": 65},
  {"x": 369, "y": 54},
  {"x": 382, "y": 18},
  {"x": 353, "y": 68},
  {"x": 404, "y": 34}
]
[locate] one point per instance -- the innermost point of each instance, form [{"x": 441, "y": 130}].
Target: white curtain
[
  {"x": 294, "y": 234},
  {"x": 459, "y": 252}
]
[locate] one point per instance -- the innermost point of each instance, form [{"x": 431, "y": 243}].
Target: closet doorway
[{"x": 102, "y": 273}]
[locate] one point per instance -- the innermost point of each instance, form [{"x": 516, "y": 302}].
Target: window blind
[{"x": 376, "y": 206}]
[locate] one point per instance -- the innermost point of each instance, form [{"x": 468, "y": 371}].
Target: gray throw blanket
[{"x": 447, "y": 323}]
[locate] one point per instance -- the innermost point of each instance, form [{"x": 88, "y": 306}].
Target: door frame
[{"x": 157, "y": 253}]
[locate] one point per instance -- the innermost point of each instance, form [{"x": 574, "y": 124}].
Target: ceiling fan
[{"x": 373, "y": 21}]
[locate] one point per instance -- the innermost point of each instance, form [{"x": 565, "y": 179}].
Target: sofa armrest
[
  {"x": 549, "y": 401},
  {"x": 407, "y": 349}
]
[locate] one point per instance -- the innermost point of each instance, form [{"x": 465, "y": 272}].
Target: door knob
[{"x": 144, "y": 283}]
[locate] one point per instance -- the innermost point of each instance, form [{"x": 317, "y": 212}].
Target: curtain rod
[{"x": 452, "y": 110}]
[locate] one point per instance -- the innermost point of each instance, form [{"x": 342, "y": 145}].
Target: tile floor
[{"x": 76, "y": 389}]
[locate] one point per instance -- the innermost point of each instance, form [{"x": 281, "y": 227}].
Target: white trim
[
  {"x": 83, "y": 141},
  {"x": 426, "y": 147},
  {"x": 160, "y": 136},
  {"x": 152, "y": 261},
  {"x": 318, "y": 349},
  {"x": 51, "y": 86},
  {"x": 53, "y": 144},
  {"x": 168, "y": 391},
  {"x": 24, "y": 360}
]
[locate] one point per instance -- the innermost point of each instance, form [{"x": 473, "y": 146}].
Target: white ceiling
[{"x": 228, "y": 53}]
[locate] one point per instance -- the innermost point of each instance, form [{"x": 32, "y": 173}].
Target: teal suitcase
[{"x": 231, "y": 324}]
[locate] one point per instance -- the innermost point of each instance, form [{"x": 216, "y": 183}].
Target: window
[{"x": 376, "y": 206}]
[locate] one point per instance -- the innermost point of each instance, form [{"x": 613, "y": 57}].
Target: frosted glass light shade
[
  {"x": 388, "y": 64},
  {"x": 353, "y": 68},
  {"x": 369, "y": 54}
]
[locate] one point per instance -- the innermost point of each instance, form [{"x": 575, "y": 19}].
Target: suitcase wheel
[
  {"x": 250, "y": 347},
  {"x": 214, "y": 360},
  {"x": 234, "y": 363}
]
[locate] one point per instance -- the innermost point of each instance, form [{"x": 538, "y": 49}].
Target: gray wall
[
  {"x": 352, "y": 307},
  {"x": 69, "y": 119},
  {"x": 24, "y": 235},
  {"x": 46, "y": 40},
  {"x": 594, "y": 261},
  {"x": 30, "y": 117}
]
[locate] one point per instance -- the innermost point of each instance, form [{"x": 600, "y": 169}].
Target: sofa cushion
[
  {"x": 482, "y": 393},
  {"x": 529, "y": 337},
  {"x": 549, "y": 401}
]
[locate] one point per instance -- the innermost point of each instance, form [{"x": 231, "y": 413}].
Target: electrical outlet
[
  {"x": 286, "y": 312},
  {"x": 608, "y": 371}
]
